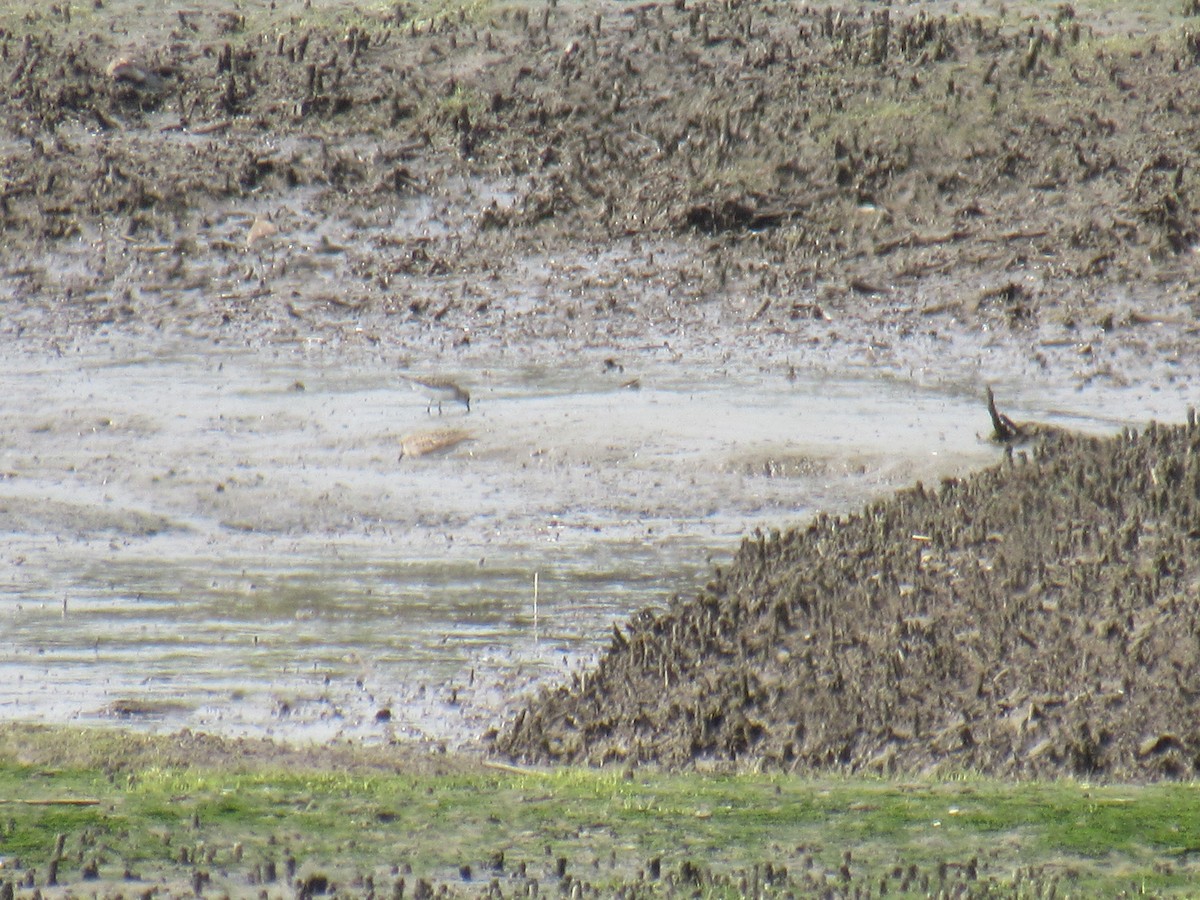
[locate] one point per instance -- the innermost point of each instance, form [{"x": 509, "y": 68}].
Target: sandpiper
[{"x": 439, "y": 390}]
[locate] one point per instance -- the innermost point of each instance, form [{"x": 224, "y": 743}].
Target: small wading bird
[{"x": 439, "y": 391}]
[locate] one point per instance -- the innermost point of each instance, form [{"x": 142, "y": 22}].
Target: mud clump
[{"x": 1037, "y": 619}]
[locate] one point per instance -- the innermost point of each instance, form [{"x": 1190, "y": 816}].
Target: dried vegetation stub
[{"x": 1037, "y": 619}]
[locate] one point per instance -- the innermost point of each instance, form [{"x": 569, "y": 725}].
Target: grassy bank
[{"x": 131, "y": 812}]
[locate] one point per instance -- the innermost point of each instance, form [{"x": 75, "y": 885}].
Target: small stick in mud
[{"x": 1004, "y": 429}]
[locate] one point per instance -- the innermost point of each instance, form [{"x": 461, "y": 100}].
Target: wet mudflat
[
  {"x": 231, "y": 541},
  {"x": 686, "y": 303},
  {"x": 705, "y": 268}
]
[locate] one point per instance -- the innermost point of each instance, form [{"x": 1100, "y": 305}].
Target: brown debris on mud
[
  {"x": 1033, "y": 620},
  {"x": 795, "y": 146}
]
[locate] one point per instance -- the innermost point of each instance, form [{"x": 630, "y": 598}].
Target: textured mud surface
[
  {"x": 750, "y": 192},
  {"x": 1035, "y": 619},
  {"x": 446, "y": 179}
]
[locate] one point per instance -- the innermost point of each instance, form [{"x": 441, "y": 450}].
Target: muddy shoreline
[
  {"x": 736, "y": 202},
  {"x": 1028, "y": 621}
]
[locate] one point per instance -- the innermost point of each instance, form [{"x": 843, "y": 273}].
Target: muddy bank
[
  {"x": 396, "y": 171},
  {"x": 1035, "y": 619},
  {"x": 126, "y": 751}
]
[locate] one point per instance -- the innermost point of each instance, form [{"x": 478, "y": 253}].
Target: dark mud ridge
[
  {"x": 1037, "y": 619},
  {"x": 794, "y": 145}
]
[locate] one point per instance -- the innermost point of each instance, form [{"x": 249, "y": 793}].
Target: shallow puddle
[{"x": 230, "y": 540}]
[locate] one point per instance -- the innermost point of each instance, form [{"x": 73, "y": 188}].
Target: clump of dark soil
[{"x": 1037, "y": 619}]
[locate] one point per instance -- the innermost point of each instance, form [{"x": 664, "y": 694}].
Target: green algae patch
[{"x": 249, "y": 821}]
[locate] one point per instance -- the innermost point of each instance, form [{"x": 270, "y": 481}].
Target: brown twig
[{"x": 1004, "y": 429}]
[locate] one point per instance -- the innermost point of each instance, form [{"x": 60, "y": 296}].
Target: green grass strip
[{"x": 232, "y": 820}]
